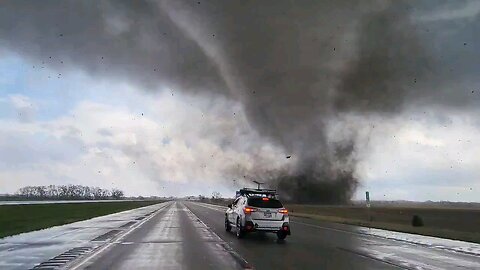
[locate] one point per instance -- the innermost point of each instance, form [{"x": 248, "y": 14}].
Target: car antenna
[{"x": 258, "y": 184}]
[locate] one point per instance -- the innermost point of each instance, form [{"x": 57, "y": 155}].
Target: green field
[{"x": 15, "y": 219}]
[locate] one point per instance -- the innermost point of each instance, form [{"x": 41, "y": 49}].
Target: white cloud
[
  {"x": 468, "y": 10},
  {"x": 416, "y": 159},
  {"x": 24, "y": 107},
  {"x": 124, "y": 146}
]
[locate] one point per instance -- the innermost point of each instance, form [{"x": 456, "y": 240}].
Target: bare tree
[
  {"x": 216, "y": 195},
  {"x": 68, "y": 192},
  {"x": 116, "y": 193}
]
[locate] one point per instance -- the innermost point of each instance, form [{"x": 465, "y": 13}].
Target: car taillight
[
  {"x": 248, "y": 210},
  {"x": 283, "y": 211}
]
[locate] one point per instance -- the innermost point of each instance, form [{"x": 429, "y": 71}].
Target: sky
[{"x": 88, "y": 112}]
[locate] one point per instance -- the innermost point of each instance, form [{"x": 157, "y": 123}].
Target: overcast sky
[{"x": 64, "y": 121}]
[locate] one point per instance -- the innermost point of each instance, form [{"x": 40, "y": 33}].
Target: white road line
[
  {"x": 112, "y": 241},
  {"x": 244, "y": 263}
]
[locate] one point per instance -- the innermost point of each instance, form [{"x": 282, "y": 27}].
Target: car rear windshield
[{"x": 259, "y": 202}]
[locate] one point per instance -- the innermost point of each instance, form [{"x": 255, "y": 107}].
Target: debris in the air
[{"x": 289, "y": 156}]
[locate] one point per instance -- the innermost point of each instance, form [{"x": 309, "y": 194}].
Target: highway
[{"x": 190, "y": 235}]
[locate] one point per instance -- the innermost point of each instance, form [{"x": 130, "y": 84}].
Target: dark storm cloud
[
  {"x": 123, "y": 40},
  {"x": 293, "y": 65}
]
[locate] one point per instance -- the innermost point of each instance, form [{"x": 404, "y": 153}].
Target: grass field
[
  {"x": 452, "y": 223},
  {"x": 15, "y": 219}
]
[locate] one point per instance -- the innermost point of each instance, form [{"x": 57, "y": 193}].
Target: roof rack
[{"x": 251, "y": 192}]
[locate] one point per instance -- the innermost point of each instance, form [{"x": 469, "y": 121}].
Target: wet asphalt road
[
  {"x": 321, "y": 245},
  {"x": 189, "y": 235},
  {"x": 173, "y": 239}
]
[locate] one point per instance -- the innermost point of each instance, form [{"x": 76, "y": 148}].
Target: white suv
[{"x": 257, "y": 210}]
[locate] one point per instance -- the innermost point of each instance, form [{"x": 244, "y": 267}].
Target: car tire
[
  {"x": 228, "y": 227},
  {"x": 281, "y": 235},
  {"x": 240, "y": 231}
]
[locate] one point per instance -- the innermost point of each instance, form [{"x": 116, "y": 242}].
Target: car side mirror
[{"x": 229, "y": 206}]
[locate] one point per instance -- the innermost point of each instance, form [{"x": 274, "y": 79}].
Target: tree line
[{"x": 68, "y": 192}]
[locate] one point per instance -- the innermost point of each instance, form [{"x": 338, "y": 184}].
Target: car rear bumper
[{"x": 267, "y": 226}]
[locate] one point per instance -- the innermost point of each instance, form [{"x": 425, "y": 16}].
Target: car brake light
[
  {"x": 248, "y": 210},
  {"x": 283, "y": 211},
  {"x": 265, "y": 199}
]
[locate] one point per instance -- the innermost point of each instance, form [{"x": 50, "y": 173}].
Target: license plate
[{"x": 267, "y": 214}]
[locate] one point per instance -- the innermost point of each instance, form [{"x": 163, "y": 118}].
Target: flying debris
[{"x": 301, "y": 87}]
